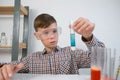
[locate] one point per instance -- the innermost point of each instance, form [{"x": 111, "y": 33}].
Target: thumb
[{"x": 18, "y": 67}]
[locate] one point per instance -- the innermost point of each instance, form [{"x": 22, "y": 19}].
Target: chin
[{"x": 53, "y": 46}]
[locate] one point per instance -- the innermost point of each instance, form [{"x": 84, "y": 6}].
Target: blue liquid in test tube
[{"x": 72, "y": 36}]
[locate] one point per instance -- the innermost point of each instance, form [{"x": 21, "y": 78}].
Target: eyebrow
[{"x": 49, "y": 29}]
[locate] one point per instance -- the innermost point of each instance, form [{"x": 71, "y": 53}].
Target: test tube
[
  {"x": 72, "y": 36},
  {"x": 118, "y": 70}
]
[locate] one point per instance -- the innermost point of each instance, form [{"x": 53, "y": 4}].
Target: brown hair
[{"x": 43, "y": 21}]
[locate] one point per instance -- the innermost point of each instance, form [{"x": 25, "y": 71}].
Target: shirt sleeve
[
  {"x": 93, "y": 43},
  {"x": 25, "y": 61},
  {"x": 83, "y": 58}
]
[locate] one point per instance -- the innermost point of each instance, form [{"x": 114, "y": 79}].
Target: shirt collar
[{"x": 56, "y": 49}]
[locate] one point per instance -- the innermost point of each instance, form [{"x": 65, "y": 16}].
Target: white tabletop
[{"x": 49, "y": 77}]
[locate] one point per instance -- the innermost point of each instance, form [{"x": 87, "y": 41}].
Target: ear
[{"x": 37, "y": 36}]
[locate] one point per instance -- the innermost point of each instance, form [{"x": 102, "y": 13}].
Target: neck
[{"x": 49, "y": 49}]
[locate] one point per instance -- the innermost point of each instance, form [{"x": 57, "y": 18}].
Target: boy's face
[{"x": 48, "y": 36}]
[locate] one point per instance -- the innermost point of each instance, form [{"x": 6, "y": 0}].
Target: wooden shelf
[
  {"x": 9, "y": 10},
  {"x": 16, "y": 10},
  {"x": 21, "y": 45}
]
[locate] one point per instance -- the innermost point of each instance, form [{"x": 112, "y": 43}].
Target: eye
[
  {"x": 45, "y": 33},
  {"x": 55, "y": 31}
]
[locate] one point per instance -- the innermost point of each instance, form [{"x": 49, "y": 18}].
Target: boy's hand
[
  {"x": 8, "y": 70},
  {"x": 84, "y": 27}
]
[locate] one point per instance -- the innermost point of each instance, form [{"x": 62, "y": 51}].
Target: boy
[{"x": 53, "y": 59}]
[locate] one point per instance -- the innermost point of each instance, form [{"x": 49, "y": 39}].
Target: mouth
[{"x": 52, "y": 42}]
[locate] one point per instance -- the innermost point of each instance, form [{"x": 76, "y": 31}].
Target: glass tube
[{"x": 72, "y": 36}]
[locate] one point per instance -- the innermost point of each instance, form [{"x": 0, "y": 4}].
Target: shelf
[
  {"x": 9, "y": 10},
  {"x": 17, "y": 10},
  {"x": 21, "y": 45}
]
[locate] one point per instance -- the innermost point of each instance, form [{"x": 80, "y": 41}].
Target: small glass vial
[
  {"x": 72, "y": 36},
  {"x": 3, "y": 41}
]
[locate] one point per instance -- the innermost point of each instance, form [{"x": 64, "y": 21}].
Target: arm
[
  {"x": 83, "y": 58},
  {"x": 7, "y": 70},
  {"x": 94, "y": 42},
  {"x": 84, "y": 27}
]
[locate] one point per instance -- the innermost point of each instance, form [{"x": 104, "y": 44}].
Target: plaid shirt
[{"x": 60, "y": 61}]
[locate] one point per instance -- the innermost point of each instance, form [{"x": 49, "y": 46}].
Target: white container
[{"x": 3, "y": 39}]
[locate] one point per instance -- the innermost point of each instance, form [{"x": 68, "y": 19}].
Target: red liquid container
[{"x": 95, "y": 73}]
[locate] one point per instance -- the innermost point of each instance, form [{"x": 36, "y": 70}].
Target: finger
[
  {"x": 1, "y": 76},
  {"x": 81, "y": 23},
  {"x": 4, "y": 73},
  {"x": 18, "y": 67},
  {"x": 83, "y": 28},
  {"x": 77, "y": 21},
  {"x": 90, "y": 27},
  {"x": 10, "y": 70},
  {"x": 88, "y": 31}
]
